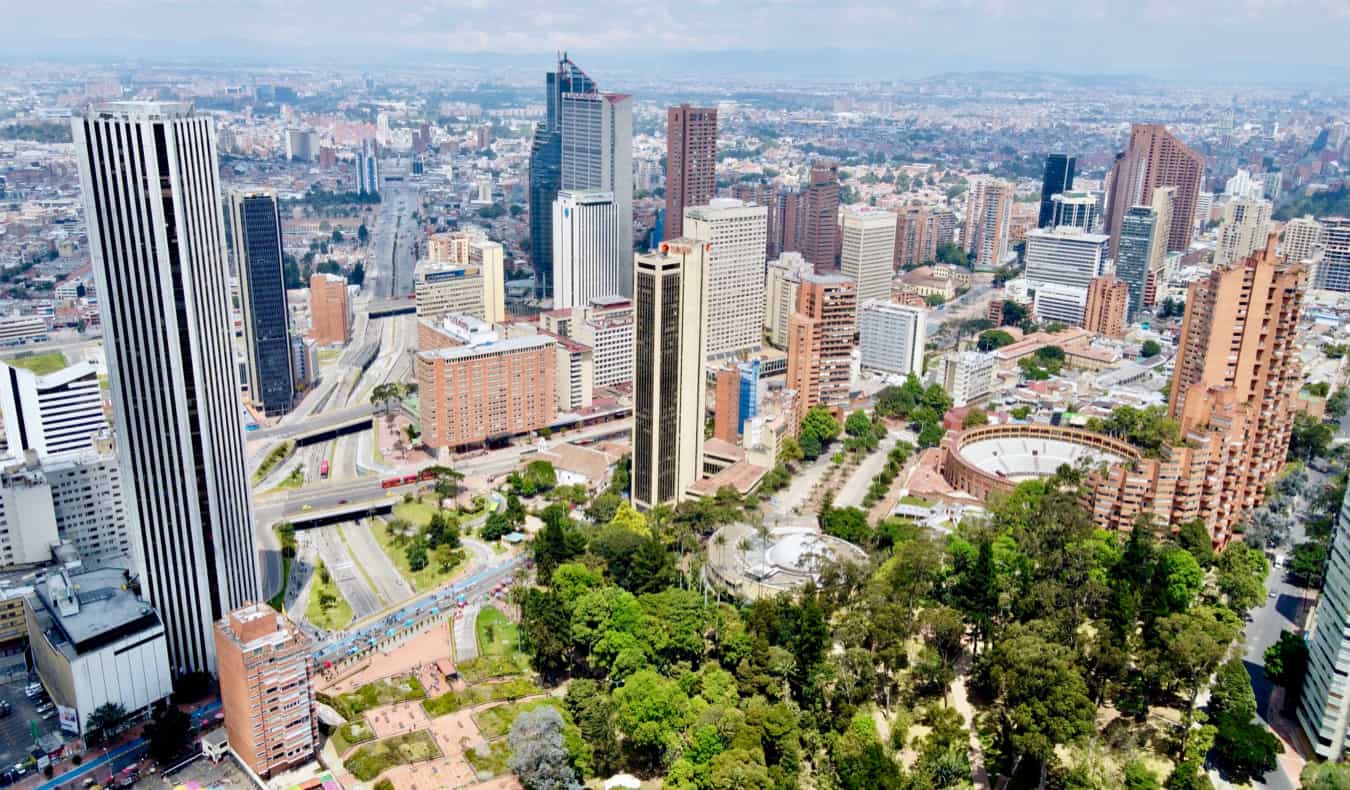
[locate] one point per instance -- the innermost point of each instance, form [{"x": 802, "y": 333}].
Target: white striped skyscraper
[
  {"x": 588, "y": 255},
  {"x": 156, "y": 231}
]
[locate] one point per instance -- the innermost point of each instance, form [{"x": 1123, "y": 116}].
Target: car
[
  {"x": 342, "y": 501},
  {"x": 1274, "y": 594},
  {"x": 307, "y": 507}
]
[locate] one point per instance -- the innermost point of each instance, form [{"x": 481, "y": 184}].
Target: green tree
[
  {"x": 1139, "y": 777},
  {"x": 858, "y": 424},
  {"x": 545, "y": 631},
  {"x": 993, "y": 339},
  {"x": 105, "y": 722},
  {"x": 819, "y": 423},
  {"x": 1306, "y": 564},
  {"x": 1285, "y": 664},
  {"x": 930, "y": 434},
  {"x": 1194, "y": 537},
  {"x": 1231, "y": 694},
  {"x": 1310, "y": 438},
  {"x": 1242, "y": 573},
  {"x": 169, "y": 733},
  {"x": 860, "y": 760},
  {"x": 650, "y": 711},
  {"x": 1014, "y": 314},
  {"x": 1325, "y": 776},
  {"x": 1181, "y": 579},
  {"x": 974, "y": 418},
  {"x": 1149, "y": 349}
]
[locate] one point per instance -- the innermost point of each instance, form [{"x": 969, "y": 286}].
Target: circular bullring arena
[{"x": 995, "y": 458}]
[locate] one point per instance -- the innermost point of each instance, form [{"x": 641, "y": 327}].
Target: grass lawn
[
  {"x": 374, "y": 759},
  {"x": 491, "y": 757},
  {"x": 329, "y": 355},
  {"x": 350, "y": 734},
  {"x": 452, "y": 701},
  {"x": 496, "y": 721},
  {"x": 41, "y": 364},
  {"x": 372, "y": 695},
  {"x": 416, "y": 513},
  {"x": 338, "y": 615},
  {"x": 429, "y": 578},
  {"x": 498, "y": 649},
  {"x": 910, "y": 499},
  {"x": 278, "y": 454},
  {"x": 293, "y": 480}
]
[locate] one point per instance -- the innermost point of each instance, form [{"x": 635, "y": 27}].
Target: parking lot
[
  {"x": 16, "y": 734},
  {"x": 203, "y": 773}
]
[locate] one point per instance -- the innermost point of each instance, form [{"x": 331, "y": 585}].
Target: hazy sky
[{"x": 1088, "y": 36}]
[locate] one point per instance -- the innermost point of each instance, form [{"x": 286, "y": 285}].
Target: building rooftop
[
  {"x": 81, "y": 612},
  {"x": 501, "y": 346}
]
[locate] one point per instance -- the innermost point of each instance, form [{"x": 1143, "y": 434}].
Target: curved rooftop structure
[{"x": 752, "y": 562}]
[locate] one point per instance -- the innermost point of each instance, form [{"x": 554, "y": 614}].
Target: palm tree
[{"x": 106, "y": 721}]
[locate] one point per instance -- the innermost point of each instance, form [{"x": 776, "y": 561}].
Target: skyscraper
[
  {"x": 1107, "y": 300},
  {"x": 1057, "y": 178},
  {"x": 820, "y": 341},
  {"x": 1138, "y": 233},
  {"x": 734, "y": 234},
  {"x": 1238, "y": 343},
  {"x": 1064, "y": 256},
  {"x": 1322, "y": 710},
  {"x": 988, "y": 214},
  {"x": 55, "y": 414},
  {"x": 1155, "y": 158},
  {"x": 368, "y": 168},
  {"x": 588, "y": 260},
  {"x": 1304, "y": 238},
  {"x": 819, "y": 205},
  {"x": 783, "y": 278},
  {"x": 164, "y": 302},
  {"x": 255, "y": 225},
  {"x": 1078, "y": 209},
  {"x": 668, "y": 392},
  {"x": 1334, "y": 272},
  {"x": 330, "y": 309},
  {"x": 868, "y": 252},
  {"x": 691, "y": 162},
  {"x": 597, "y": 153},
  {"x": 1246, "y": 223},
  {"x": 546, "y": 168},
  {"x": 891, "y": 337},
  {"x": 916, "y": 236}
]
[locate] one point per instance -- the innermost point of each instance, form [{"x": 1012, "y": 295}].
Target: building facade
[
  {"x": 1056, "y": 178},
  {"x": 1246, "y": 223},
  {"x": 1155, "y": 158},
  {"x": 734, "y": 236},
  {"x": 1077, "y": 209},
  {"x": 546, "y": 168},
  {"x": 266, "y": 689},
  {"x": 255, "y": 225},
  {"x": 330, "y": 309},
  {"x": 1333, "y": 273},
  {"x": 671, "y": 302},
  {"x": 820, "y": 341},
  {"x": 597, "y": 154},
  {"x": 444, "y": 288},
  {"x": 818, "y": 236},
  {"x": 58, "y": 413},
  {"x": 691, "y": 162},
  {"x": 968, "y": 376},
  {"x": 1304, "y": 238},
  {"x": 588, "y": 257},
  {"x": 1134, "y": 252},
  {"x": 782, "y": 279},
  {"x": 175, "y": 387},
  {"x": 891, "y": 337},
  {"x": 1108, "y": 300},
  {"x": 988, "y": 215},
  {"x": 868, "y": 251}
]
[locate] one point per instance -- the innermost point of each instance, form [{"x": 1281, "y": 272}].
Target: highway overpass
[
  {"x": 321, "y": 426},
  {"x": 384, "y": 308}
]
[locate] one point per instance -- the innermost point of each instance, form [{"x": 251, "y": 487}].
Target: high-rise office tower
[
  {"x": 1078, "y": 209},
  {"x": 255, "y": 225},
  {"x": 1155, "y": 158},
  {"x": 988, "y": 214},
  {"x": 783, "y": 278},
  {"x": 1064, "y": 256},
  {"x": 1242, "y": 185},
  {"x": 1304, "y": 238},
  {"x": 671, "y": 296},
  {"x": 1246, "y": 223},
  {"x": 489, "y": 257},
  {"x": 588, "y": 259},
  {"x": 1138, "y": 234},
  {"x": 368, "y": 168},
  {"x": 597, "y": 153},
  {"x": 1333, "y": 273},
  {"x": 916, "y": 236},
  {"x": 726, "y": 403},
  {"x": 1322, "y": 710},
  {"x": 763, "y": 193},
  {"x": 1107, "y": 301},
  {"x": 1057, "y": 178},
  {"x": 546, "y": 168},
  {"x": 691, "y": 162},
  {"x": 1238, "y": 342},
  {"x": 54, "y": 414},
  {"x": 734, "y": 233},
  {"x": 819, "y": 205},
  {"x": 891, "y": 337},
  {"x": 164, "y": 302},
  {"x": 820, "y": 341},
  {"x": 789, "y": 221},
  {"x": 868, "y": 253}
]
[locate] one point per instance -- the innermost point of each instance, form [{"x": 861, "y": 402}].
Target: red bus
[
  {"x": 409, "y": 479},
  {"x": 392, "y": 482},
  {"x": 323, "y": 469}
]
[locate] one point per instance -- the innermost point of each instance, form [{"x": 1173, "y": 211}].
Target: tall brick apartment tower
[
  {"x": 691, "y": 162},
  {"x": 1155, "y": 158}
]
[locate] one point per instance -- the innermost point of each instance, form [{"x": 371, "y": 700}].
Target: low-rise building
[{"x": 968, "y": 377}]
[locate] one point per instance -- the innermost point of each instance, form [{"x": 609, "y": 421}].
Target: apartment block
[
  {"x": 820, "y": 341},
  {"x": 330, "y": 310}
]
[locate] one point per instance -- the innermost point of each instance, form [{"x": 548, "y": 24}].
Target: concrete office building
[
  {"x": 266, "y": 689},
  {"x": 1134, "y": 253},
  {"x": 1237, "y": 372},
  {"x": 54, "y": 414},
  {"x": 1066, "y": 304},
  {"x": 1322, "y": 710},
  {"x": 330, "y": 309},
  {"x": 891, "y": 337},
  {"x": 15, "y": 330},
  {"x": 1246, "y": 223},
  {"x": 95, "y": 642},
  {"x": 1064, "y": 256},
  {"x": 175, "y": 388},
  {"x": 734, "y": 237},
  {"x": 1056, "y": 178},
  {"x": 597, "y": 154},
  {"x": 453, "y": 246},
  {"x": 820, "y": 341},
  {"x": 691, "y": 162},
  {"x": 818, "y": 236},
  {"x": 1242, "y": 185},
  {"x": 1333, "y": 273},
  {"x": 546, "y": 168},
  {"x": 589, "y": 259},
  {"x": 1077, "y": 209},
  {"x": 490, "y": 259},
  {"x": 606, "y": 326},
  {"x": 27, "y": 518},
  {"x": 368, "y": 168},
  {"x": 1154, "y": 158},
  {"x": 573, "y": 374},
  {"x": 302, "y": 145},
  {"x": 474, "y": 386},
  {"x": 988, "y": 215},
  {"x": 868, "y": 252},
  {"x": 1304, "y": 238},
  {"x": 782, "y": 279},
  {"x": 304, "y": 361},
  {"x": 668, "y": 381},
  {"x": 1108, "y": 301},
  {"x": 968, "y": 376},
  {"x": 255, "y": 225},
  {"x": 443, "y": 288}
]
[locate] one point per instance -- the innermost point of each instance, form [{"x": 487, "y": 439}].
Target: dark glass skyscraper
[
  {"x": 255, "y": 226},
  {"x": 1135, "y": 252},
  {"x": 1058, "y": 178},
  {"x": 546, "y": 169}
]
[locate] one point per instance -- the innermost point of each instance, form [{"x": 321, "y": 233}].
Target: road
[
  {"x": 389, "y": 583},
  {"x": 853, "y": 491},
  {"x": 390, "y": 272},
  {"x": 351, "y": 584}
]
